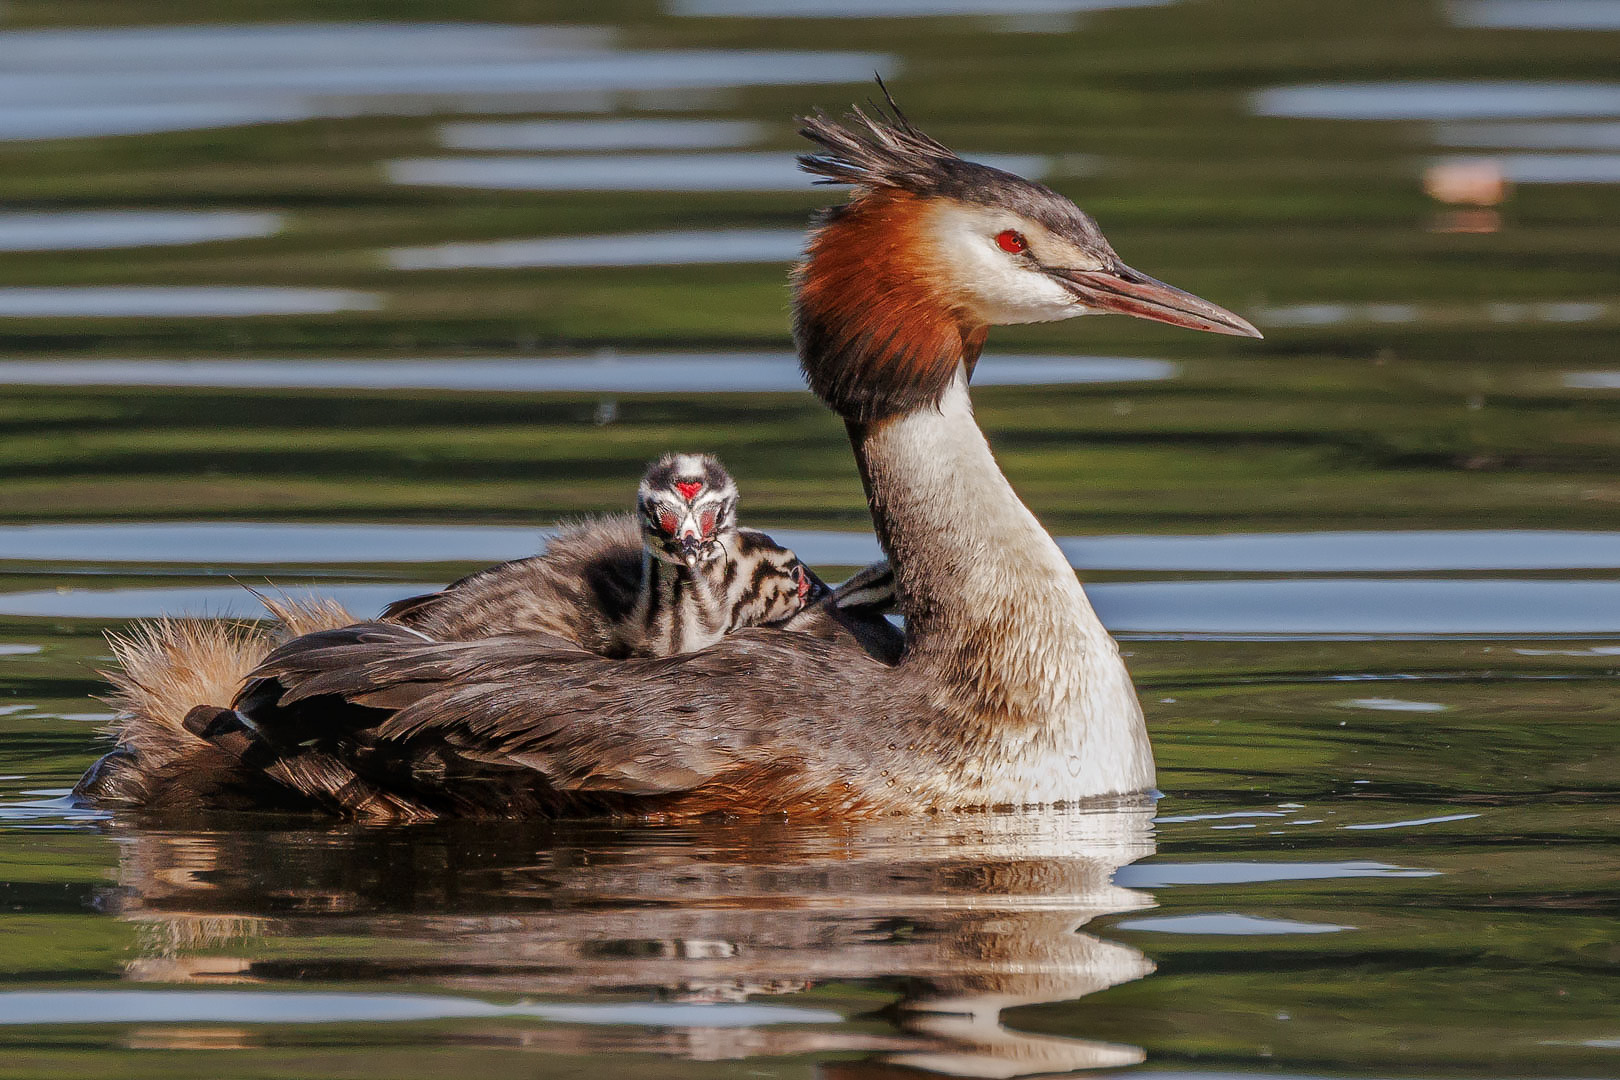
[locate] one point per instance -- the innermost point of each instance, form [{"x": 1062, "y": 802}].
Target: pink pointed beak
[{"x": 1132, "y": 293}]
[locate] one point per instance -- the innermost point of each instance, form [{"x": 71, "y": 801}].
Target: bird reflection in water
[{"x": 967, "y": 916}]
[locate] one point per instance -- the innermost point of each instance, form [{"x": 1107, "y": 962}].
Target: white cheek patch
[{"x": 1001, "y": 289}]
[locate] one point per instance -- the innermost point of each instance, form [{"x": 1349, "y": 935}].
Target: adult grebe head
[{"x": 899, "y": 285}]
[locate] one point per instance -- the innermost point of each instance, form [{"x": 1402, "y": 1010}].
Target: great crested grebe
[
  {"x": 674, "y": 578},
  {"x": 1009, "y": 691}
]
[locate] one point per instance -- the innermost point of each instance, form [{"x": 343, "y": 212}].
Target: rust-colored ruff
[{"x": 876, "y": 335}]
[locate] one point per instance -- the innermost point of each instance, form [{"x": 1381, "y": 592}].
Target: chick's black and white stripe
[{"x": 702, "y": 576}]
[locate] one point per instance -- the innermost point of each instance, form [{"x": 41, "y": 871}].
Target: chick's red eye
[
  {"x": 706, "y": 522},
  {"x": 666, "y": 521},
  {"x": 1013, "y": 243}
]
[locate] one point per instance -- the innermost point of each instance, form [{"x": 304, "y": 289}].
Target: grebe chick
[
  {"x": 674, "y": 578},
  {"x": 702, "y": 577}
]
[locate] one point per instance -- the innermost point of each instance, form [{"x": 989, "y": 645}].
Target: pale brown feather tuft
[
  {"x": 298, "y": 616},
  {"x": 165, "y": 667}
]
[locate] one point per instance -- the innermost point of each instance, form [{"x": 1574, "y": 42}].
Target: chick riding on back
[{"x": 703, "y": 577}]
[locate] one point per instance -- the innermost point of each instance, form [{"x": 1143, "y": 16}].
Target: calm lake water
[{"x": 357, "y": 307}]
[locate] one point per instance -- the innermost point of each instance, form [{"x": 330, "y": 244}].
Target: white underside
[{"x": 1059, "y": 660}]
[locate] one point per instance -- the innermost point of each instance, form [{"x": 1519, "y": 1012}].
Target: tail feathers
[
  {"x": 318, "y": 776},
  {"x": 306, "y": 615},
  {"x": 167, "y": 666}
]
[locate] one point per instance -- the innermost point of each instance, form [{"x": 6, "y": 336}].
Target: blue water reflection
[
  {"x": 617, "y": 134},
  {"x": 1593, "y": 380},
  {"x": 1355, "y": 608},
  {"x": 695, "y": 373},
  {"x": 285, "y": 543},
  {"x": 177, "y": 301},
  {"x": 1225, "y": 924},
  {"x": 1241, "y": 610},
  {"x": 758, "y": 171},
  {"x": 88, "y": 229},
  {"x": 62, "y": 83},
  {"x": 1537, "y": 14},
  {"x": 21, "y": 124},
  {"x": 1499, "y": 312},
  {"x": 898, "y": 9},
  {"x": 1479, "y": 99},
  {"x": 1156, "y": 874},
  {"x": 673, "y": 248},
  {"x": 268, "y": 1007}
]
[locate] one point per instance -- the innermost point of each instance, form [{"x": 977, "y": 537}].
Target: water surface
[
  {"x": 653, "y": 134},
  {"x": 1364, "y": 571},
  {"x": 737, "y": 171},
  {"x": 1239, "y": 610},
  {"x": 177, "y": 301},
  {"x": 1538, "y": 14},
  {"x": 1598, "y": 135},
  {"x": 675, "y": 248},
  {"x": 891, "y": 9},
  {"x": 285, "y": 543},
  {"x": 1440, "y": 100},
  {"x": 1556, "y": 168},
  {"x": 693, "y": 373},
  {"x": 128, "y": 228}
]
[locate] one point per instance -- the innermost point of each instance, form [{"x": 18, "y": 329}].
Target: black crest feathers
[{"x": 876, "y": 148}]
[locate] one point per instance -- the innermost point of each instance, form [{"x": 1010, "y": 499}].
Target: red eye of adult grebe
[{"x": 1013, "y": 243}]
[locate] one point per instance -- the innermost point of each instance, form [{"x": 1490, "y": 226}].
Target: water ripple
[
  {"x": 87, "y": 229},
  {"x": 739, "y": 171},
  {"x": 1158, "y": 875},
  {"x": 614, "y": 134},
  {"x": 1224, "y": 923},
  {"x": 249, "y": 543},
  {"x": 1244, "y": 610},
  {"x": 269, "y": 1007},
  {"x": 673, "y": 248},
  {"x": 694, "y": 373},
  {"x": 174, "y": 301}
]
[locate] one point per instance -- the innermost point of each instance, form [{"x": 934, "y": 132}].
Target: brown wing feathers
[
  {"x": 376, "y": 721},
  {"x": 614, "y": 728},
  {"x": 325, "y": 780}
]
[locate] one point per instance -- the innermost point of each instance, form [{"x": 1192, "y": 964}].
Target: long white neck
[{"x": 995, "y": 617}]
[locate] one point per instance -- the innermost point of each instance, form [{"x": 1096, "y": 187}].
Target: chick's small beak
[
  {"x": 1130, "y": 292},
  {"x": 691, "y": 550},
  {"x": 810, "y": 586}
]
